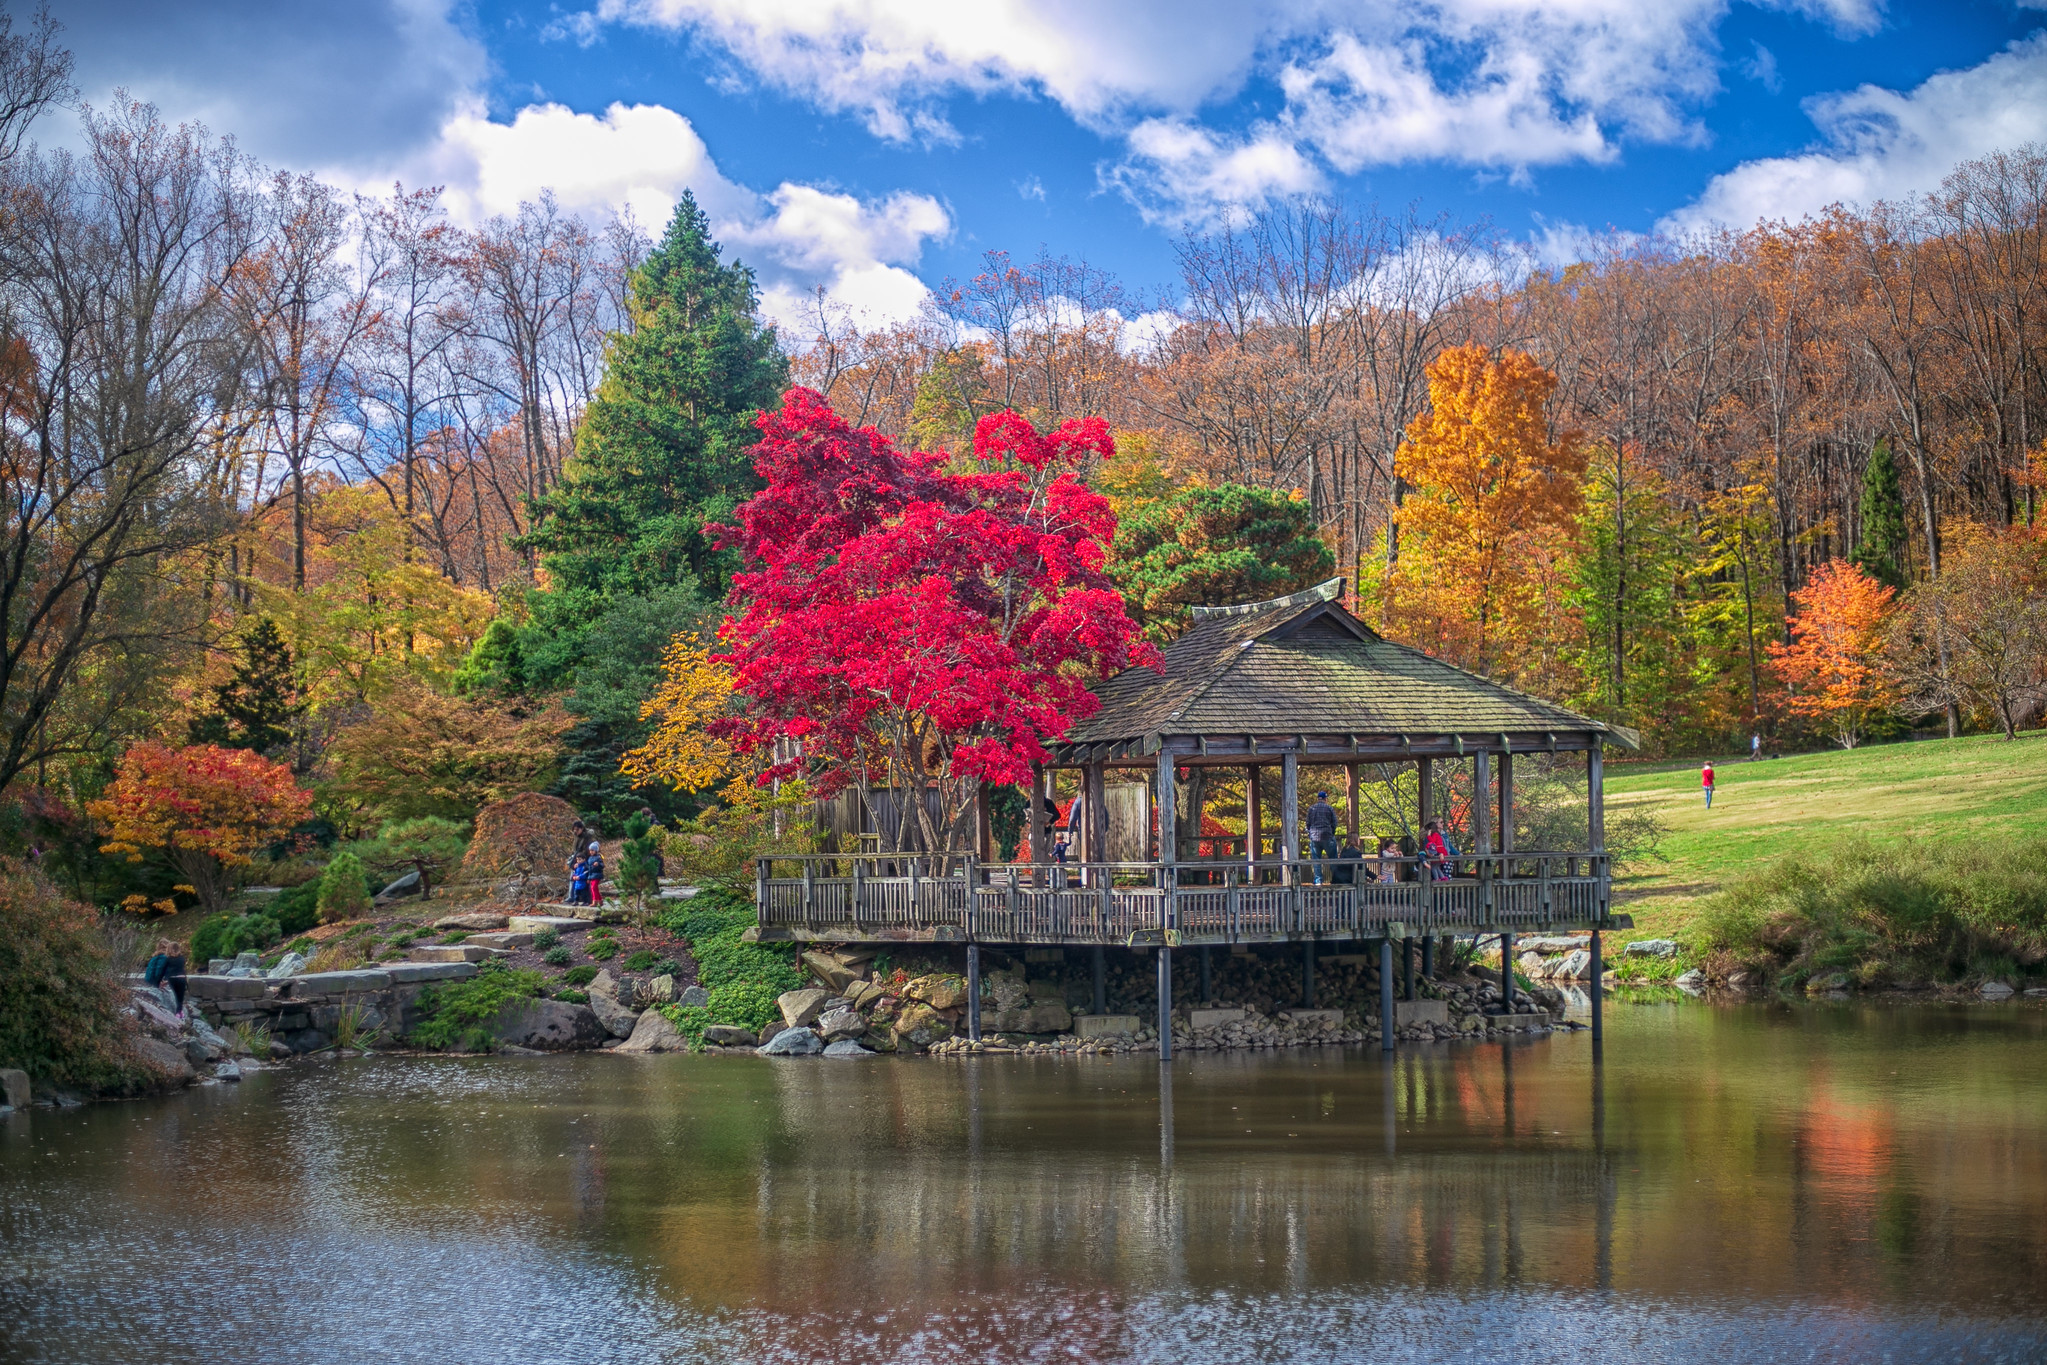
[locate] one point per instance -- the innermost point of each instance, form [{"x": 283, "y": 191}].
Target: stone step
[
  {"x": 501, "y": 940},
  {"x": 456, "y": 952},
  {"x": 533, "y": 924}
]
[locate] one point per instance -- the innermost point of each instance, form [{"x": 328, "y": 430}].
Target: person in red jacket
[{"x": 1706, "y": 781}]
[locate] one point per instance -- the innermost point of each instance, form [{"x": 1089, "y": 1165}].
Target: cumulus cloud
[
  {"x": 1885, "y": 144},
  {"x": 796, "y": 237},
  {"x": 1179, "y": 172}
]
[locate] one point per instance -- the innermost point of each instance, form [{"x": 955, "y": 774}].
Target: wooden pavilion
[{"x": 1290, "y": 683}]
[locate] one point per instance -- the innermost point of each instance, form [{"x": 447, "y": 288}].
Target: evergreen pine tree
[
  {"x": 662, "y": 448},
  {"x": 257, "y": 707},
  {"x": 1882, "y": 552},
  {"x": 639, "y": 861}
]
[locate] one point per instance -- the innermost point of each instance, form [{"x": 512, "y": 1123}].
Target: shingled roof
[{"x": 1302, "y": 664}]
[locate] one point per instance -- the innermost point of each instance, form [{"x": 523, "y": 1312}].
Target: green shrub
[
  {"x": 545, "y": 937},
  {"x": 344, "y": 890},
  {"x": 573, "y": 997},
  {"x": 557, "y": 956},
  {"x": 580, "y": 976},
  {"x": 207, "y": 941},
  {"x": 458, "y": 1014},
  {"x": 602, "y": 931},
  {"x": 454, "y": 936},
  {"x": 59, "y": 1004},
  {"x": 1927, "y": 911},
  {"x": 603, "y": 949},
  {"x": 226, "y": 935},
  {"x": 667, "y": 966},
  {"x": 640, "y": 960},
  {"x": 743, "y": 978},
  {"x": 748, "y": 1004},
  {"x": 297, "y": 909}
]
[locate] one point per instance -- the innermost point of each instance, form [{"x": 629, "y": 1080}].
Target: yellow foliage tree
[
  {"x": 372, "y": 615},
  {"x": 1493, "y": 511},
  {"x": 682, "y": 752}
]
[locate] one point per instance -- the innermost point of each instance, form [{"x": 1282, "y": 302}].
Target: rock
[
  {"x": 474, "y": 921},
  {"x": 939, "y": 992},
  {"x": 1692, "y": 981},
  {"x": 219, "y": 966},
  {"x": 169, "y": 1063},
  {"x": 864, "y": 994},
  {"x": 1032, "y": 1019},
  {"x": 198, "y": 1052},
  {"x": 341, "y": 983},
  {"x": 407, "y": 885},
  {"x": 793, "y": 1042},
  {"x": 456, "y": 952},
  {"x": 653, "y": 1033},
  {"x": 1741, "y": 981},
  {"x": 1313, "y": 1018},
  {"x": 1201, "y": 1019},
  {"x": 1995, "y": 990},
  {"x": 410, "y": 973},
  {"x": 550, "y": 1025},
  {"x": 1104, "y": 1025},
  {"x": 1576, "y": 966},
  {"x": 533, "y": 924},
  {"x": 247, "y": 964},
  {"x": 228, "y": 1070},
  {"x": 14, "y": 1087},
  {"x": 846, "y": 1047},
  {"x": 801, "y": 1007},
  {"x": 618, "y": 1021},
  {"x": 660, "y": 990},
  {"x": 2036, "y": 991},
  {"x": 506, "y": 939},
  {"x": 279, "y": 1049},
  {"x": 770, "y": 1029},
  {"x": 291, "y": 964},
  {"x": 1406, "y": 1012},
  {"x": 729, "y": 1035},
  {"x": 604, "y": 983},
  {"x": 1651, "y": 947},
  {"x": 835, "y": 974},
  {"x": 692, "y": 996},
  {"x": 1830, "y": 981},
  {"x": 156, "y": 1018},
  {"x": 612, "y": 912},
  {"x": 844, "y": 1022},
  {"x": 919, "y": 1024}
]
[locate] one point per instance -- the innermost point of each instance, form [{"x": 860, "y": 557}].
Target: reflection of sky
[{"x": 1758, "y": 1187}]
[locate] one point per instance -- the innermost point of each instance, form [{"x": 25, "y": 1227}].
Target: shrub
[
  {"x": 573, "y": 997},
  {"x": 459, "y": 1013},
  {"x": 1936, "y": 911},
  {"x": 297, "y": 909},
  {"x": 557, "y": 956},
  {"x": 250, "y": 933},
  {"x": 545, "y": 937},
  {"x": 640, "y": 960},
  {"x": 603, "y": 949},
  {"x": 580, "y": 976},
  {"x": 344, "y": 890},
  {"x": 749, "y": 1004},
  {"x": 59, "y": 1006},
  {"x": 667, "y": 966},
  {"x": 208, "y": 941}
]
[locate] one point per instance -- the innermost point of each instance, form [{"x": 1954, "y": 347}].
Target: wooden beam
[
  {"x": 1168, "y": 834},
  {"x": 1482, "y": 801}
]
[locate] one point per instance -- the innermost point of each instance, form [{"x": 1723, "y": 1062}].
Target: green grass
[{"x": 1952, "y": 791}]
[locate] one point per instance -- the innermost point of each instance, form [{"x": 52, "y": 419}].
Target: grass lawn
[{"x": 1947, "y": 789}]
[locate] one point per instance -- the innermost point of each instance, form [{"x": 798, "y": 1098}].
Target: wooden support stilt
[
  {"x": 1507, "y": 971},
  {"x": 1598, "y": 991},
  {"x": 1165, "y": 1003},
  {"x": 1429, "y": 957},
  {"x": 1407, "y": 969},
  {"x": 1385, "y": 995},
  {"x": 974, "y": 992},
  {"x": 1101, "y": 980}
]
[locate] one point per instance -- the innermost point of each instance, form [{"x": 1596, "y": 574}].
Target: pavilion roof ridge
[{"x": 1326, "y": 591}]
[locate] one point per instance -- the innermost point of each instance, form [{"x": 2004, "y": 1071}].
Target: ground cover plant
[
  {"x": 742, "y": 979},
  {"x": 457, "y": 1015}
]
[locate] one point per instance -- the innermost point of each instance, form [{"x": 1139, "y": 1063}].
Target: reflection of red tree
[{"x": 1848, "y": 1145}]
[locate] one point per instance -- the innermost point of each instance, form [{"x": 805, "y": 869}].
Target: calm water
[{"x": 1744, "y": 1184}]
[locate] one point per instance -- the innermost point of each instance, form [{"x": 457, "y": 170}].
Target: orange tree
[
  {"x": 1834, "y": 663},
  {"x": 1482, "y": 539},
  {"x": 209, "y": 809}
]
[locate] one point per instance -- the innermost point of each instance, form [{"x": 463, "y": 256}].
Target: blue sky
[{"x": 876, "y": 146}]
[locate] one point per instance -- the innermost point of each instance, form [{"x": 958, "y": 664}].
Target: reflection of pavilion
[{"x": 1291, "y": 683}]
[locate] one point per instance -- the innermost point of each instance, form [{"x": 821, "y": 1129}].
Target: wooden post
[
  {"x": 760, "y": 884},
  {"x": 1507, "y": 801},
  {"x": 1598, "y": 991},
  {"x": 1254, "y": 817},
  {"x": 973, "y": 990},
  {"x": 1595, "y": 821},
  {"x": 1507, "y": 971},
  {"x": 1482, "y": 802},
  {"x": 1097, "y": 813},
  {"x": 1165, "y": 1003},
  {"x": 1429, "y": 957},
  {"x": 1169, "y": 834},
  {"x": 1385, "y": 993},
  {"x": 1350, "y": 796},
  {"x": 1289, "y": 812}
]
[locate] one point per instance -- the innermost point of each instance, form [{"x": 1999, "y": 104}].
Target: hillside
[{"x": 1930, "y": 790}]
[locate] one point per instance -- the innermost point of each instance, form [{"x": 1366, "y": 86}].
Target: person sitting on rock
[{"x": 167, "y": 970}]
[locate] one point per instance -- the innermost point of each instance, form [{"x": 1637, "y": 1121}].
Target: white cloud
[
  {"x": 1499, "y": 85},
  {"x": 1886, "y": 144},
  {"x": 796, "y": 237}
]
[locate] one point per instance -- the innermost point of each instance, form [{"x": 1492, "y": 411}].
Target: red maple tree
[
  {"x": 208, "y": 808},
  {"x": 899, "y": 623},
  {"x": 1834, "y": 663}
]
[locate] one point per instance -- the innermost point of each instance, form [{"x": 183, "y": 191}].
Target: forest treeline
[{"x": 414, "y": 509}]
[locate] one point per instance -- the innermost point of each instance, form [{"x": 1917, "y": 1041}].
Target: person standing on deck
[
  {"x": 1706, "y": 781},
  {"x": 1321, "y": 833}
]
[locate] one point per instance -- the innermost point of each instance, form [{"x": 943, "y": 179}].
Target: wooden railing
[{"x": 1203, "y": 902}]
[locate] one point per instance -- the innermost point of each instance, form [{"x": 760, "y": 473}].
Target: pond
[{"x": 1751, "y": 1183}]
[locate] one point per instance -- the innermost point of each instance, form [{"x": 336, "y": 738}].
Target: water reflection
[{"x": 1825, "y": 1181}]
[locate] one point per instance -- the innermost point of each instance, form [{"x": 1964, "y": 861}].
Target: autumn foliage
[
  {"x": 1484, "y": 536},
  {"x": 899, "y": 622},
  {"x": 694, "y": 693},
  {"x": 1834, "y": 663},
  {"x": 208, "y": 809}
]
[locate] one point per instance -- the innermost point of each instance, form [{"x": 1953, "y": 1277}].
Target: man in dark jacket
[{"x": 1321, "y": 833}]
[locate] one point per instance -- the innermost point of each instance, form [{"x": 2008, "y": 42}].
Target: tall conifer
[
  {"x": 1882, "y": 552},
  {"x": 662, "y": 447}
]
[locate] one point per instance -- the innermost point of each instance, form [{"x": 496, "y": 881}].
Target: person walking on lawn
[
  {"x": 1706, "y": 781},
  {"x": 1321, "y": 833}
]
